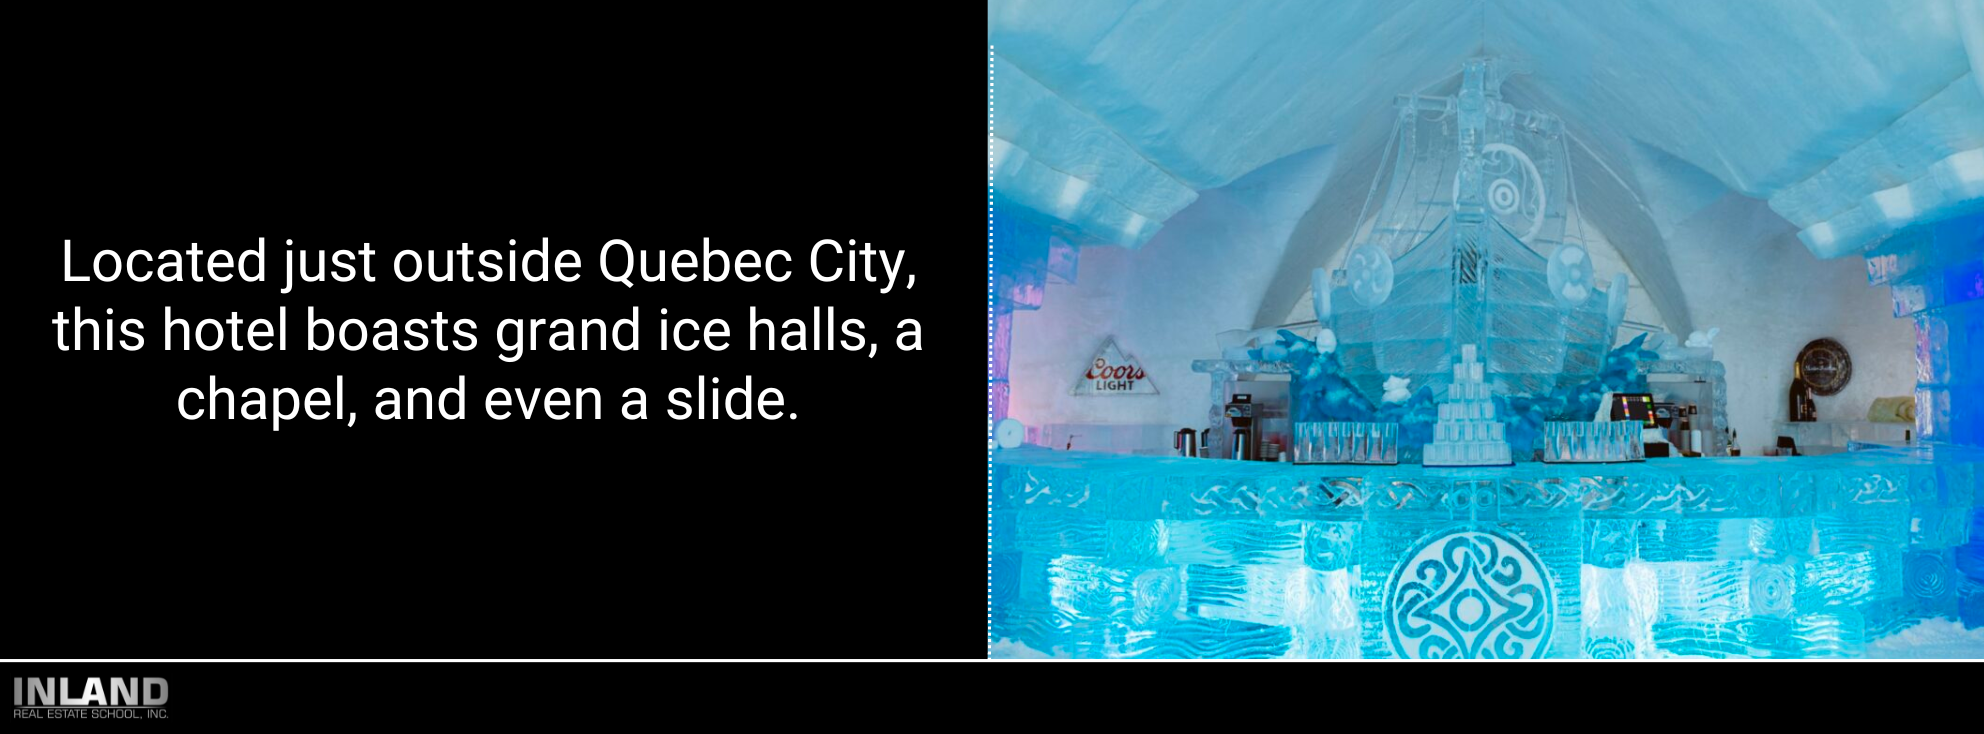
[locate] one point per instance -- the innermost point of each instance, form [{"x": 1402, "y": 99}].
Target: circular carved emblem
[
  {"x": 1469, "y": 591},
  {"x": 1772, "y": 589},
  {"x": 1370, "y": 275},
  {"x": 1515, "y": 189},
  {"x": 1826, "y": 366},
  {"x": 1928, "y": 577},
  {"x": 1570, "y": 275}
]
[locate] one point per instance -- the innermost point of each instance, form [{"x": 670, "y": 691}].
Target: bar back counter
[{"x": 1102, "y": 555}]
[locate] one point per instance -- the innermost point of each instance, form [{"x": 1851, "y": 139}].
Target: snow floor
[{"x": 1935, "y": 638}]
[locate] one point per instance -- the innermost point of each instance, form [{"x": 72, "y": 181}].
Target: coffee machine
[
  {"x": 1240, "y": 419},
  {"x": 1186, "y": 442}
]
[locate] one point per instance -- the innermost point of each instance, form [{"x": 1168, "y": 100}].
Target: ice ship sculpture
[{"x": 1476, "y": 241}]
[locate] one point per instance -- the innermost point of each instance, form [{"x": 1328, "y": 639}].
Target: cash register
[{"x": 1639, "y": 407}]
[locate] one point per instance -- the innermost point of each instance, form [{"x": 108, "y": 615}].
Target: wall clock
[{"x": 1825, "y": 366}]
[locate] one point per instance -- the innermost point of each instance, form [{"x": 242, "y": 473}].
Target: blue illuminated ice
[{"x": 1847, "y": 555}]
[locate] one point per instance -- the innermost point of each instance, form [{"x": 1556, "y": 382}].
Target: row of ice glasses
[
  {"x": 1576, "y": 441},
  {"x": 1342, "y": 442}
]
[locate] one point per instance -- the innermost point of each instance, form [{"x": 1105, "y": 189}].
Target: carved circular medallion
[{"x": 1470, "y": 591}]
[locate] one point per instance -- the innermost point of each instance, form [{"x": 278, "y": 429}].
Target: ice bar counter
[{"x": 1113, "y": 556}]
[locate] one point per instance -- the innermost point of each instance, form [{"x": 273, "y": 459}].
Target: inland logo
[
  {"x": 1111, "y": 373},
  {"x": 90, "y": 698}
]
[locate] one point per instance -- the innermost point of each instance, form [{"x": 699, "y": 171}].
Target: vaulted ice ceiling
[{"x": 1847, "y": 119}]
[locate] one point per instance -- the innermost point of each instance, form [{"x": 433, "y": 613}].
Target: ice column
[
  {"x": 1024, "y": 253},
  {"x": 1936, "y": 274}
]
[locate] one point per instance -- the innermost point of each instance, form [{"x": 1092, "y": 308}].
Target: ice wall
[
  {"x": 1147, "y": 102},
  {"x": 1025, "y": 256},
  {"x": 1162, "y": 303},
  {"x": 1748, "y": 274}
]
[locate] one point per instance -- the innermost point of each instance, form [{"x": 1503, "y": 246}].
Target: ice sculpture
[
  {"x": 1468, "y": 433},
  {"x": 1570, "y": 275},
  {"x": 1615, "y": 303},
  {"x": 1671, "y": 347},
  {"x": 1477, "y": 189},
  {"x": 1326, "y": 342},
  {"x": 1240, "y": 344},
  {"x": 1320, "y": 392},
  {"x": 1319, "y": 294},
  {"x": 1009, "y": 434},
  {"x": 1700, "y": 345},
  {"x": 1395, "y": 390},
  {"x": 1370, "y": 275}
]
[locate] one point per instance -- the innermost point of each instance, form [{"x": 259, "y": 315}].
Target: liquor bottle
[{"x": 1802, "y": 408}]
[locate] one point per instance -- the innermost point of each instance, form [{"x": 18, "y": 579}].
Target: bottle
[{"x": 1802, "y": 408}]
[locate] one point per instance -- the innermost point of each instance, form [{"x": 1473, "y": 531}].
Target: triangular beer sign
[{"x": 1112, "y": 373}]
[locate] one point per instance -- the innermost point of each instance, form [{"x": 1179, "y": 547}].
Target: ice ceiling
[{"x": 1846, "y": 118}]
